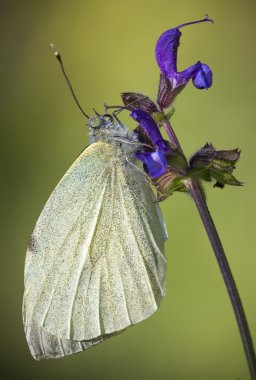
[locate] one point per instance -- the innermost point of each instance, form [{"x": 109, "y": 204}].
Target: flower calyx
[
  {"x": 210, "y": 164},
  {"x": 135, "y": 100}
]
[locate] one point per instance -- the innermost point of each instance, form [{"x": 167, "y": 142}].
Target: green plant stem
[{"x": 196, "y": 193}]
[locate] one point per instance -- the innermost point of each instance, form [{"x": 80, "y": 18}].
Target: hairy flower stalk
[{"x": 168, "y": 168}]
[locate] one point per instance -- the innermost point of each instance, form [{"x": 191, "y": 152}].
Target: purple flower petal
[
  {"x": 190, "y": 72},
  {"x": 148, "y": 124},
  {"x": 155, "y": 161},
  {"x": 166, "y": 57},
  {"x": 166, "y": 51},
  {"x": 203, "y": 77}
]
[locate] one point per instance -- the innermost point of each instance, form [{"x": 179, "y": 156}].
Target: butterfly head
[{"x": 98, "y": 121}]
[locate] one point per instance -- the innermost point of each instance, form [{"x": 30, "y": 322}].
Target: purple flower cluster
[{"x": 201, "y": 75}]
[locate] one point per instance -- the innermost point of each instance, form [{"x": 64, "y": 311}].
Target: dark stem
[
  {"x": 171, "y": 134},
  {"x": 226, "y": 274},
  {"x": 196, "y": 193}
]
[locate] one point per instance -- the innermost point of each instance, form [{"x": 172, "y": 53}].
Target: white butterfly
[{"x": 95, "y": 263}]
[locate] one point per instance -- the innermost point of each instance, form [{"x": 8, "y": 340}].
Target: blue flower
[
  {"x": 155, "y": 160},
  {"x": 166, "y": 56}
]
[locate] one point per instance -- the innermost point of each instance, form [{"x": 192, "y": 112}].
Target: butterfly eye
[{"x": 108, "y": 119}]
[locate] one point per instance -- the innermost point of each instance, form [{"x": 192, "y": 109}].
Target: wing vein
[{"x": 100, "y": 201}]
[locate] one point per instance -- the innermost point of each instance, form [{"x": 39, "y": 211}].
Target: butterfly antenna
[
  {"x": 96, "y": 113},
  {"x": 57, "y": 55}
]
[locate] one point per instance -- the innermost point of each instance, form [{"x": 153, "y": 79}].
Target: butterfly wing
[{"x": 95, "y": 262}]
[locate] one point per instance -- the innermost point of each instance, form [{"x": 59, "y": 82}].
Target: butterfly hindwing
[{"x": 95, "y": 264}]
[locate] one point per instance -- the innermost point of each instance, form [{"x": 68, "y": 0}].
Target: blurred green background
[{"x": 108, "y": 47}]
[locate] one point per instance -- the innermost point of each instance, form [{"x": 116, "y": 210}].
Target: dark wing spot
[{"x": 32, "y": 244}]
